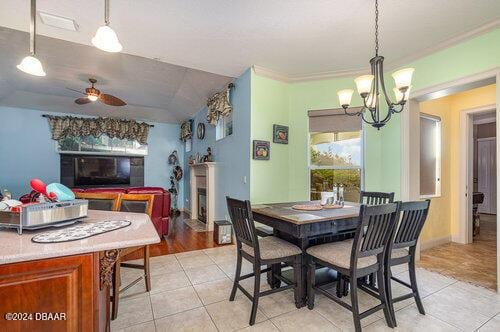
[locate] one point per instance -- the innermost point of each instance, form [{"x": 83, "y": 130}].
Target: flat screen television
[{"x": 95, "y": 170}]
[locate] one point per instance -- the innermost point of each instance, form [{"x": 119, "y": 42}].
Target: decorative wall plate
[{"x": 200, "y": 130}]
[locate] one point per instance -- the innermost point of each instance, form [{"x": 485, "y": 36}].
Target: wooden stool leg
[
  {"x": 147, "y": 273},
  {"x": 115, "y": 290},
  {"x": 236, "y": 277},
  {"x": 388, "y": 290},
  {"x": 354, "y": 304},
  {"x": 413, "y": 283},
  {"x": 383, "y": 299},
  {"x": 256, "y": 293}
]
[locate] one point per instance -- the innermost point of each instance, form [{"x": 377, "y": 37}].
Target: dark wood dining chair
[
  {"x": 370, "y": 198},
  {"x": 375, "y": 197},
  {"x": 403, "y": 250},
  {"x": 268, "y": 250},
  {"x": 125, "y": 202},
  {"x": 100, "y": 201},
  {"x": 355, "y": 258}
]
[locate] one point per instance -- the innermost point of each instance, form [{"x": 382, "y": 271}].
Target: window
[
  {"x": 430, "y": 156},
  {"x": 189, "y": 144},
  {"x": 335, "y": 158},
  {"x": 100, "y": 145},
  {"x": 224, "y": 127}
]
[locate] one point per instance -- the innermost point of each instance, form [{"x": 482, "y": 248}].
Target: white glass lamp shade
[
  {"x": 402, "y": 77},
  {"x": 345, "y": 97},
  {"x": 106, "y": 40},
  {"x": 32, "y": 66},
  {"x": 93, "y": 97},
  {"x": 364, "y": 84},
  {"x": 399, "y": 95}
]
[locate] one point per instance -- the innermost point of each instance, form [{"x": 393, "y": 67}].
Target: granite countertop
[{"x": 20, "y": 248}]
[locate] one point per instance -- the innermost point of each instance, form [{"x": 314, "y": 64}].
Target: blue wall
[
  {"x": 27, "y": 151},
  {"x": 232, "y": 153}
]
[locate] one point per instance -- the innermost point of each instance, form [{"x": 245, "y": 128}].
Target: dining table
[{"x": 305, "y": 228}]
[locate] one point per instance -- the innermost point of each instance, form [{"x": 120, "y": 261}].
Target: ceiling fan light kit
[
  {"x": 30, "y": 64},
  {"x": 372, "y": 89},
  {"x": 105, "y": 38}
]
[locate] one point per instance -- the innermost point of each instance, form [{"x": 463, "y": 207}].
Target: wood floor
[
  {"x": 474, "y": 263},
  {"x": 180, "y": 238}
]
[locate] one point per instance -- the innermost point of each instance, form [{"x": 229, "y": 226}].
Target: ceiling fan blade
[
  {"x": 83, "y": 93},
  {"x": 111, "y": 100},
  {"x": 83, "y": 100}
]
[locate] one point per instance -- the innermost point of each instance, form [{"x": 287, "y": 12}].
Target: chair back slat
[
  {"x": 240, "y": 213},
  {"x": 138, "y": 203},
  {"x": 374, "y": 230},
  {"x": 413, "y": 216},
  {"x": 375, "y": 197},
  {"x": 100, "y": 201}
]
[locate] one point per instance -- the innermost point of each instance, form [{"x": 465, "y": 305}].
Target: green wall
[
  {"x": 269, "y": 178},
  {"x": 285, "y": 176}
]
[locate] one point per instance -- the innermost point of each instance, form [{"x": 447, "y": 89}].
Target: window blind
[
  {"x": 333, "y": 120},
  {"x": 430, "y": 150}
]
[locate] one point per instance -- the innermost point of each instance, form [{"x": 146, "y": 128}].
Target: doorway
[{"x": 447, "y": 243}]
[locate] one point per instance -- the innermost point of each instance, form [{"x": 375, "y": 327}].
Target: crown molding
[
  {"x": 269, "y": 73},
  {"x": 266, "y": 72}
]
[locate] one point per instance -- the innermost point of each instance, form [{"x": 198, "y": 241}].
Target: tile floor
[{"x": 190, "y": 293}]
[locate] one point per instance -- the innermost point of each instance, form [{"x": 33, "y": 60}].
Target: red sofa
[{"x": 161, "y": 203}]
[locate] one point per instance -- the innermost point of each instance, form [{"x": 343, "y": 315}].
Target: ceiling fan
[{"x": 93, "y": 94}]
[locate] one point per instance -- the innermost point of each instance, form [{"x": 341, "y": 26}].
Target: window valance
[
  {"x": 67, "y": 126},
  {"x": 219, "y": 105},
  {"x": 333, "y": 120},
  {"x": 186, "y": 130}
]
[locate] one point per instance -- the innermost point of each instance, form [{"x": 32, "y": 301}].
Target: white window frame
[
  {"x": 220, "y": 128},
  {"x": 439, "y": 148},
  {"x": 313, "y": 167},
  {"x": 188, "y": 144}
]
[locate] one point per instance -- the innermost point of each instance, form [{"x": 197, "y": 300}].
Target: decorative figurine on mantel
[
  {"x": 208, "y": 157},
  {"x": 173, "y": 160}
]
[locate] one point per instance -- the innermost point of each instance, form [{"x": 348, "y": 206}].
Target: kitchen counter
[
  {"x": 20, "y": 248},
  {"x": 70, "y": 281}
]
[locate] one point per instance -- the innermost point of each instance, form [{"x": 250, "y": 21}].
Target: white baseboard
[{"x": 435, "y": 242}]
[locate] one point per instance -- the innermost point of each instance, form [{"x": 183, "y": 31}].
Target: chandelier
[{"x": 372, "y": 89}]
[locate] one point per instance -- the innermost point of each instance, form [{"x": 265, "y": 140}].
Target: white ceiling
[
  {"x": 293, "y": 37},
  {"x": 153, "y": 90}
]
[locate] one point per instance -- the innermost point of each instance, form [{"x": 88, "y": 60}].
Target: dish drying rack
[{"x": 41, "y": 215}]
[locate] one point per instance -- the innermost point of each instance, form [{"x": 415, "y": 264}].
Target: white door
[{"x": 486, "y": 171}]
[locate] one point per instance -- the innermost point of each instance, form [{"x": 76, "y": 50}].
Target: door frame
[
  {"x": 410, "y": 135},
  {"x": 466, "y": 168}
]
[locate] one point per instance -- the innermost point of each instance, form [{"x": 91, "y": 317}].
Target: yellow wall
[{"x": 444, "y": 213}]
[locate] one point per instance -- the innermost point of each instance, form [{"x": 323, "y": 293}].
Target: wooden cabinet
[{"x": 64, "y": 288}]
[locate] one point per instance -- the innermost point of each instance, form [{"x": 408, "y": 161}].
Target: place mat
[
  {"x": 307, "y": 207},
  {"x": 332, "y": 206},
  {"x": 79, "y": 232}
]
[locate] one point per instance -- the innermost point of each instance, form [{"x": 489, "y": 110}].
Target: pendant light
[
  {"x": 372, "y": 90},
  {"x": 30, "y": 64},
  {"x": 105, "y": 38}
]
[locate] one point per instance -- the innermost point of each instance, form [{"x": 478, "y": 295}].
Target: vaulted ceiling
[{"x": 292, "y": 38}]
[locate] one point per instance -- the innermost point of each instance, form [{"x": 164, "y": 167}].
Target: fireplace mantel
[{"x": 202, "y": 175}]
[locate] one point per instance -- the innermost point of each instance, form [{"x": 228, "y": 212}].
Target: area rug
[{"x": 195, "y": 225}]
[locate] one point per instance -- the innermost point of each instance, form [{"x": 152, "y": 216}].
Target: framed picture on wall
[
  {"x": 261, "y": 150},
  {"x": 280, "y": 134}
]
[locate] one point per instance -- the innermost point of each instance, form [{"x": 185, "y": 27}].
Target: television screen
[{"x": 102, "y": 170}]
